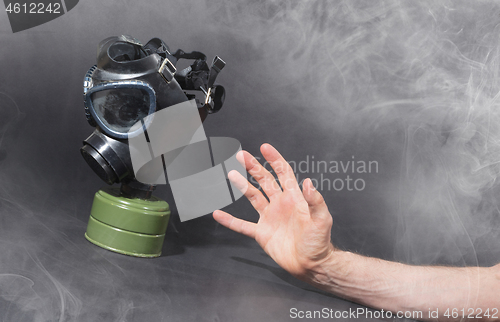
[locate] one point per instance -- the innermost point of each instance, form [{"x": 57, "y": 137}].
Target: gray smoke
[
  {"x": 422, "y": 76},
  {"x": 411, "y": 84}
]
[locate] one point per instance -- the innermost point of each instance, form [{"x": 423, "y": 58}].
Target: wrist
[
  {"x": 347, "y": 275},
  {"x": 329, "y": 273}
]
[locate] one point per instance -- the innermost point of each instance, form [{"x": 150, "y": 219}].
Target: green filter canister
[{"x": 128, "y": 226}]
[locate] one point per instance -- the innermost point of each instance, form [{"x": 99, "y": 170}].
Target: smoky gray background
[{"x": 412, "y": 85}]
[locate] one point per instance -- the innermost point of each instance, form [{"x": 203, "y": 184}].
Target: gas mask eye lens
[
  {"x": 119, "y": 109},
  {"x": 117, "y": 106}
]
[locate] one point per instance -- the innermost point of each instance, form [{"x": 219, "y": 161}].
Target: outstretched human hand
[
  {"x": 294, "y": 226},
  {"x": 294, "y": 229}
]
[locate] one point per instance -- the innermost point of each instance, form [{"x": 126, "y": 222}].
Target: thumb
[{"x": 317, "y": 205}]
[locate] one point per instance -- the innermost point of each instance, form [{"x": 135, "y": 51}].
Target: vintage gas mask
[
  {"x": 130, "y": 82},
  {"x": 131, "y": 85}
]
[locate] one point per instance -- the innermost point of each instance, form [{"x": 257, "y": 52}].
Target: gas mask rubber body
[{"x": 130, "y": 82}]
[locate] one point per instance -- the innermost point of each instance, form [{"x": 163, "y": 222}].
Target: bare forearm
[
  {"x": 294, "y": 228},
  {"x": 398, "y": 287}
]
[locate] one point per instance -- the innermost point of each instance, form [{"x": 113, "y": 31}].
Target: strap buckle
[{"x": 167, "y": 70}]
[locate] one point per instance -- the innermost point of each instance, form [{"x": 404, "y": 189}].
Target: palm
[{"x": 294, "y": 226}]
